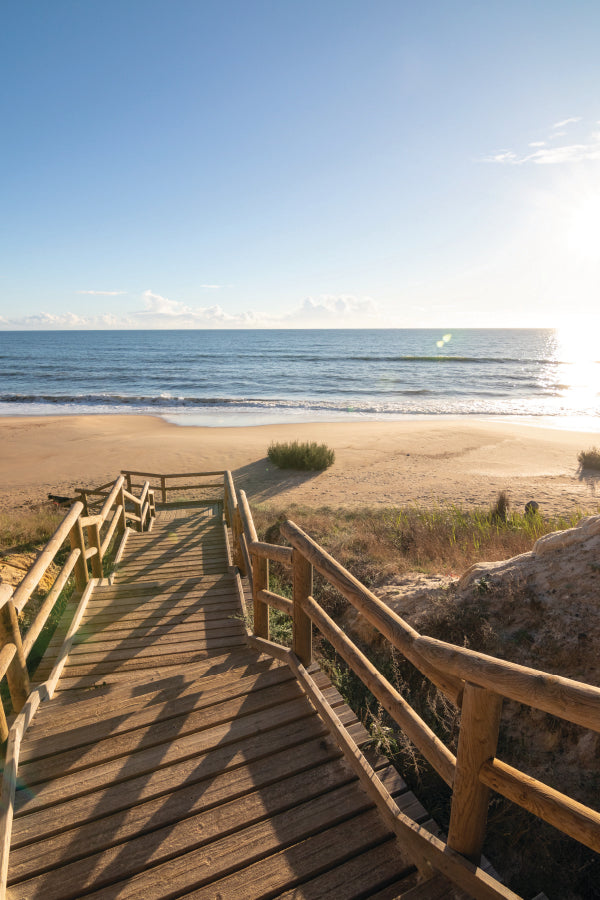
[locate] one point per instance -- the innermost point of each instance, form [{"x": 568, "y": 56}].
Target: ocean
[{"x": 262, "y": 377}]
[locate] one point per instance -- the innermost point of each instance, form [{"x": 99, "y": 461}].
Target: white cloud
[
  {"x": 549, "y": 154},
  {"x": 103, "y": 293},
  {"x": 564, "y": 122},
  {"x": 324, "y": 310}
]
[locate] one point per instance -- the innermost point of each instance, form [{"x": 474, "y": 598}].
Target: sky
[{"x": 299, "y": 163}]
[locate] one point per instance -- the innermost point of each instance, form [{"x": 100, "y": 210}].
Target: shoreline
[{"x": 464, "y": 460}]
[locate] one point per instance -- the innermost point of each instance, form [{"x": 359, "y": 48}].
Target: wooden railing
[
  {"x": 474, "y": 682},
  {"x": 90, "y": 538},
  {"x": 165, "y": 484}
]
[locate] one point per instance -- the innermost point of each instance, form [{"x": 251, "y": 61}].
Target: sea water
[{"x": 260, "y": 377}]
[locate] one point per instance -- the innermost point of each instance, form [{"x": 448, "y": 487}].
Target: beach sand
[{"x": 442, "y": 460}]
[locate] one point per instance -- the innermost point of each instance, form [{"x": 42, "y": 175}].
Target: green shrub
[
  {"x": 589, "y": 459},
  {"x": 307, "y": 455}
]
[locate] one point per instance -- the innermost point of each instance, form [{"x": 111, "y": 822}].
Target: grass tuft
[
  {"x": 589, "y": 459},
  {"x": 307, "y": 456}
]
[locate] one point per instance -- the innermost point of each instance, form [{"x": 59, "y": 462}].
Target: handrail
[
  {"x": 400, "y": 634},
  {"x": 563, "y": 697},
  {"x": 40, "y": 567},
  {"x": 475, "y": 681},
  {"x": 171, "y": 474},
  {"x": 415, "y": 728},
  {"x": 74, "y": 526}
]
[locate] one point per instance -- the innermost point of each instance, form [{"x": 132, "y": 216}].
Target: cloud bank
[{"x": 323, "y": 311}]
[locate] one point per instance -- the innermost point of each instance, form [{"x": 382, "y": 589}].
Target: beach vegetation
[
  {"x": 303, "y": 455},
  {"x": 377, "y": 544},
  {"x": 589, "y": 459},
  {"x": 27, "y": 528}
]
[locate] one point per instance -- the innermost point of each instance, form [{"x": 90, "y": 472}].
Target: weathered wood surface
[{"x": 175, "y": 760}]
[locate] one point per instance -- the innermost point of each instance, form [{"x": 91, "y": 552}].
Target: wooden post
[
  {"x": 163, "y": 487},
  {"x": 122, "y": 516},
  {"x": 128, "y": 477},
  {"x": 78, "y": 543},
  {"x": 237, "y": 528},
  {"x": 93, "y": 532},
  {"x": 10, "y": 633},
  {"x": 84, "y": 500},
  {"x": 260, "y": 582},
  {"x": 477, "y": 743},
  {"x": 302, "y": 588},
  {"x": 152, "y": 503}
]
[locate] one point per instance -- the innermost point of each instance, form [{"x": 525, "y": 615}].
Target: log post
[
  {"x": 122, "y": 514},
  {"x": 237, "y": 528},
  {"x": 93, "y": 532},
  {"x": 128, "y": 477},
  {"x": 163, "y": 488},
  {"x": 302, "y": 589},
  {"x": 477, "y": 743},
  {"x": 78, "y": 543},
  {"x": 10, "y": 633},
  {"x": 260, "y": 582}
]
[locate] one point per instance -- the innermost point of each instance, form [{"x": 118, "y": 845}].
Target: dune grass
[
  {"x": 28, "y": 528},
  {"x": 590, "y": 459},
  {"x": 306, "y": 456},
  {"x": 380, "y": 543}
]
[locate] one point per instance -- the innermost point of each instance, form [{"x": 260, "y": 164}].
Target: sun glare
[{"x": 578, "y": 351}]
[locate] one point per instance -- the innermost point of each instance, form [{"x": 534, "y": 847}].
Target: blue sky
[{"x": 295, "y": 164}]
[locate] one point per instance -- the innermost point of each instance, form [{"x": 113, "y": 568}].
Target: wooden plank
[
  {"x": 436, "y": 888},
  {"x": 164, "y": 634},
  {"x": 158, "y": 673},
  {"x": 117, "y": 650},
  {"x": 222, "y": 579},
  {"x": 124, "y": 659},
  {"x": 357, "y": 877},
  {"x": 180, "y": 592},
  {"x": 79, "y": 707}
]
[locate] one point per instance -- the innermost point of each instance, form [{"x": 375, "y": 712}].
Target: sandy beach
[{"x": 442, "y": 460}]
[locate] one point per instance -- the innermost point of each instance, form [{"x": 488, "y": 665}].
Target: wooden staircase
[{"x": 175, "y": 761}]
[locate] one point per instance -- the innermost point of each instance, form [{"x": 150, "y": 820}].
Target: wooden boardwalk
[{"x": 176, "y": 761}]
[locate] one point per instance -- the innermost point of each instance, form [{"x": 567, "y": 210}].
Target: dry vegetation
[
  {"x": 589, "y": 459},
  {"x": 377, "y": 544},
  {"x": 27, "y": 528}
]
